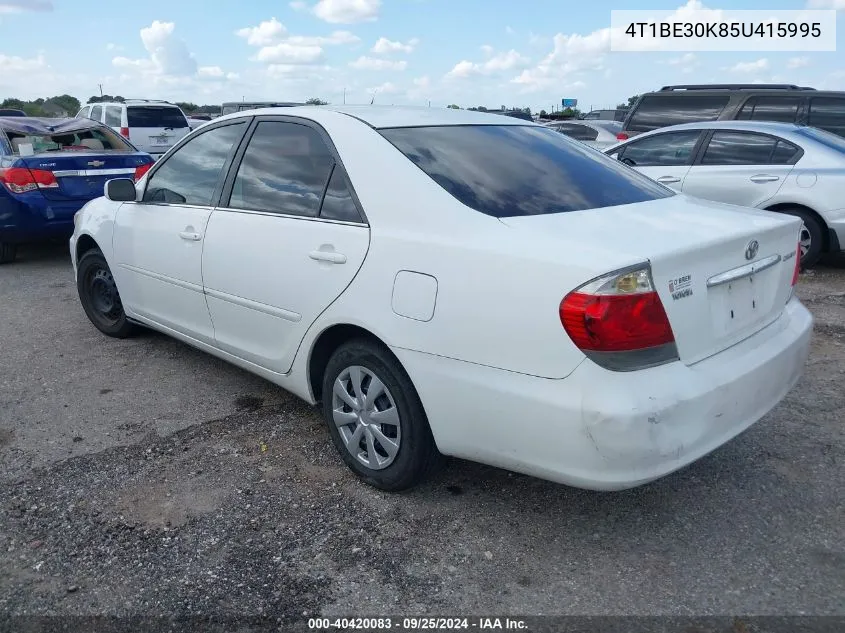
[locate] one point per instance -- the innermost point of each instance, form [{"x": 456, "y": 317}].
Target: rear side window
[
  {"x": 665, "y": 150},
  {"x": 338, "y": 203},
  {"x": 783, "y": 109},
  {"x": 660, "y": 111},
  {"x": 828, "y": 113},
  {"x": 97, "y": 113},
  {"x": 743, "y": 148},
  {"x": 193, "y": 172},
  {"x": 515, "y": 170},
  {"x": 285, "y": 169},
  {"x": 155, "y": 116},
  {"x": 578, "y": 132},
  {"x": 113, "y": 118}
]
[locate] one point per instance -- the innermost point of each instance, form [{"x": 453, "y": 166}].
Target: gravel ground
[{"x": 141, "y": 477}]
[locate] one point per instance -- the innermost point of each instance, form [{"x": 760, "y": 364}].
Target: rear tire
[
  {"x": 376, "y": 419},
  {"x": 811, "y": 238},
  {"x": 8, "y": 252},
  {"x": 99, "y": 296}
]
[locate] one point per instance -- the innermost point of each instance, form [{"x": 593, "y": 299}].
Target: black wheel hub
[{"x": 104, "y": 296}]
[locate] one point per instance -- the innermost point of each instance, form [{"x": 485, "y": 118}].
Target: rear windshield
[
  {"x": 514, "y": 170},
  {"x": 154, "y": 116},
  {"x": 661, "y": 111},
  {"x": 96, "y": 138},
  {"x": 834, "y": 141}
]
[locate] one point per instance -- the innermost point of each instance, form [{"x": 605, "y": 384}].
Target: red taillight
[
  {"x": 124, "y": 132},
  {"x": 140, "y": 171},
  {"x": 22, "y": 180},
  {"x": 622, "y": 136},
  {"x": 797, "y": 270},
  {"x": 615, "y": 323},
  {"x": 619, "y": 321}
]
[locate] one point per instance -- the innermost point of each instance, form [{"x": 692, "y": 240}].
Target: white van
[{"x": 151, "y": 126}]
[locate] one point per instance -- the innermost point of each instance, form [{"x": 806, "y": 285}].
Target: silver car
[
  {"x": 596, "y": 133},
  {"x": 778, "y": 167}
]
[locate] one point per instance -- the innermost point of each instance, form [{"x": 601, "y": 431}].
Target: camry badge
[{"x": 751, "y": 249}]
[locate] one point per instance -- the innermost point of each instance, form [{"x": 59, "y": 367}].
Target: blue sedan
[{"x": 49, "y": 169}]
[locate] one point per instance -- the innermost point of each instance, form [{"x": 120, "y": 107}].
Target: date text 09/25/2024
[{"x": 417, "y": 624}]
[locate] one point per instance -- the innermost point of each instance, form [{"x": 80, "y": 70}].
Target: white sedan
[{"x": 450, "y": 283}]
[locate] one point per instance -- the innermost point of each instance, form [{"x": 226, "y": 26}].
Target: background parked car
[
  {"x": 49, "y": 169},
  {"x": 674, "y": 105},
  {"x": 780, "y": 167},
  {"x": 599, "y": 134},
  {"x": 231, "y": 107},
  {"x": 11, "y": 112},
  {"x": 605, "y": 115},
  {"x": 151, "y": 126}
]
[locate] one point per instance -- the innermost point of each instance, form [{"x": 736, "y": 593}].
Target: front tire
[
  {"x": 99, "y": 296},
  {"x": 376, "y": 419},
  {"x": 8, "y": 252}
]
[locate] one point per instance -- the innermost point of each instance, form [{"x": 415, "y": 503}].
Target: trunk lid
[
  {"x": 83, "y": 175},
  {"x": 714, "y": 294}
]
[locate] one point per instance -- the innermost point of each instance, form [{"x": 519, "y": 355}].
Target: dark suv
[{"x": 672, "y": 105}]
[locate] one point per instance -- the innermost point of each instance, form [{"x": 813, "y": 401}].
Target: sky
[{"x": 403, "y": 52}]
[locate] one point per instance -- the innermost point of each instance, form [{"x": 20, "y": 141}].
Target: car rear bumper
[
  {"x": 604, "y": 430},
  {"x": 21, "y": 223}
]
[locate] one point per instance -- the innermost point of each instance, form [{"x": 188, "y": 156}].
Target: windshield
[
  {"x": 153, "y": 116},
  {"x": 824, "y": 137},
  {"x": 514, "y": 170},
  {"x": 96, "y": 138}
]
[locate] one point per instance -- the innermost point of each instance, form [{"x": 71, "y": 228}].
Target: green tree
[
  {"x": 316, "y": 101},
  {"x": 187, "y": 106},
  {"x": 67, "y": 103},
  {"x": 543, "y": 114},
  {"x": 454, "y": 107},
  {"x": 629, "y": 105}
]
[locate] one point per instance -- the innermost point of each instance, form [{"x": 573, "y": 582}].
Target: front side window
[
  {"x": 664, "y": 150},
  {"x": 193, "y": 172},
  {"x": 783, "y": 109},
  {"x": 83, "y": 113},
  {"x": 746, "y": 148},
  {"x": 663, "y": 110},
  {"x": 284, "y": 170},
  {"x": 516, "y": 170},
  {"x": 828, "y": 113}
]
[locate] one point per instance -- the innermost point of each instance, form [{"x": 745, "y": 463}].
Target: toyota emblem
[{"x": 751, "y": 249}]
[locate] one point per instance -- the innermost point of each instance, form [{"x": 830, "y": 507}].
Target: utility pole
[
  {"x": 429, "y": 103},
  {"x": 101, "y": 89},
  {"x": 344, "y": 96}
]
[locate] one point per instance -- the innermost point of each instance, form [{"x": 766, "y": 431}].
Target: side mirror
[{"x": 121, "y": 190}]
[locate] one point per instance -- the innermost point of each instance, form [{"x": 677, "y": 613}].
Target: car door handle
[
  {"x": 764, "y": 178},
  {"x": 328, "y": 256},
  {"x": 190, "y": 236},
  {"x": 668, "y": 179}
]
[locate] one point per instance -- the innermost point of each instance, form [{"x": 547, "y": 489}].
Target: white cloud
[
  {"x": 687, "y": 62},
  {"x": 14, "y": 64},
  {"x": 211, "y": 71},
  {"x": 494, "y": 64},
  {"x": 265, "y": 34},
  {"x": 19, "y": 6},
  {"x": 286, "y": 53},
  {"x": 385, "y": 88},
  {"x": 373, "y": 63},
  {"x": 298, "y": 5},
  {"x": 385, "y": 46},
  {"x": 168, "y": 55},
  {"x": 798, "y": 62},
  {"x": 347, "y": 11},
  {"x": 839, "y": 5},
  {"x": 750, "y": 67}
]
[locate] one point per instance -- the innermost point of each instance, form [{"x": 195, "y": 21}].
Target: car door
[
  {"x": 741, "y": 168},
  {"x": 158, "y": 241},
  {"x": 665, "y": 157},
  {"x": 287, "y": 240}
]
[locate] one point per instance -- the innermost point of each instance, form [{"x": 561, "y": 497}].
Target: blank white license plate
[
  {"x": 158, "y": 140},
  {"x": 737, "y": 305}
]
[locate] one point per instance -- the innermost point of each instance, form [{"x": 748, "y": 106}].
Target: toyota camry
[{"x": 454, "y": 283}]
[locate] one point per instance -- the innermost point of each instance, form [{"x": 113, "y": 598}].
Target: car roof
[
  {"x": 770, "y": 127},
  {"x": 381, "y": 117}
]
